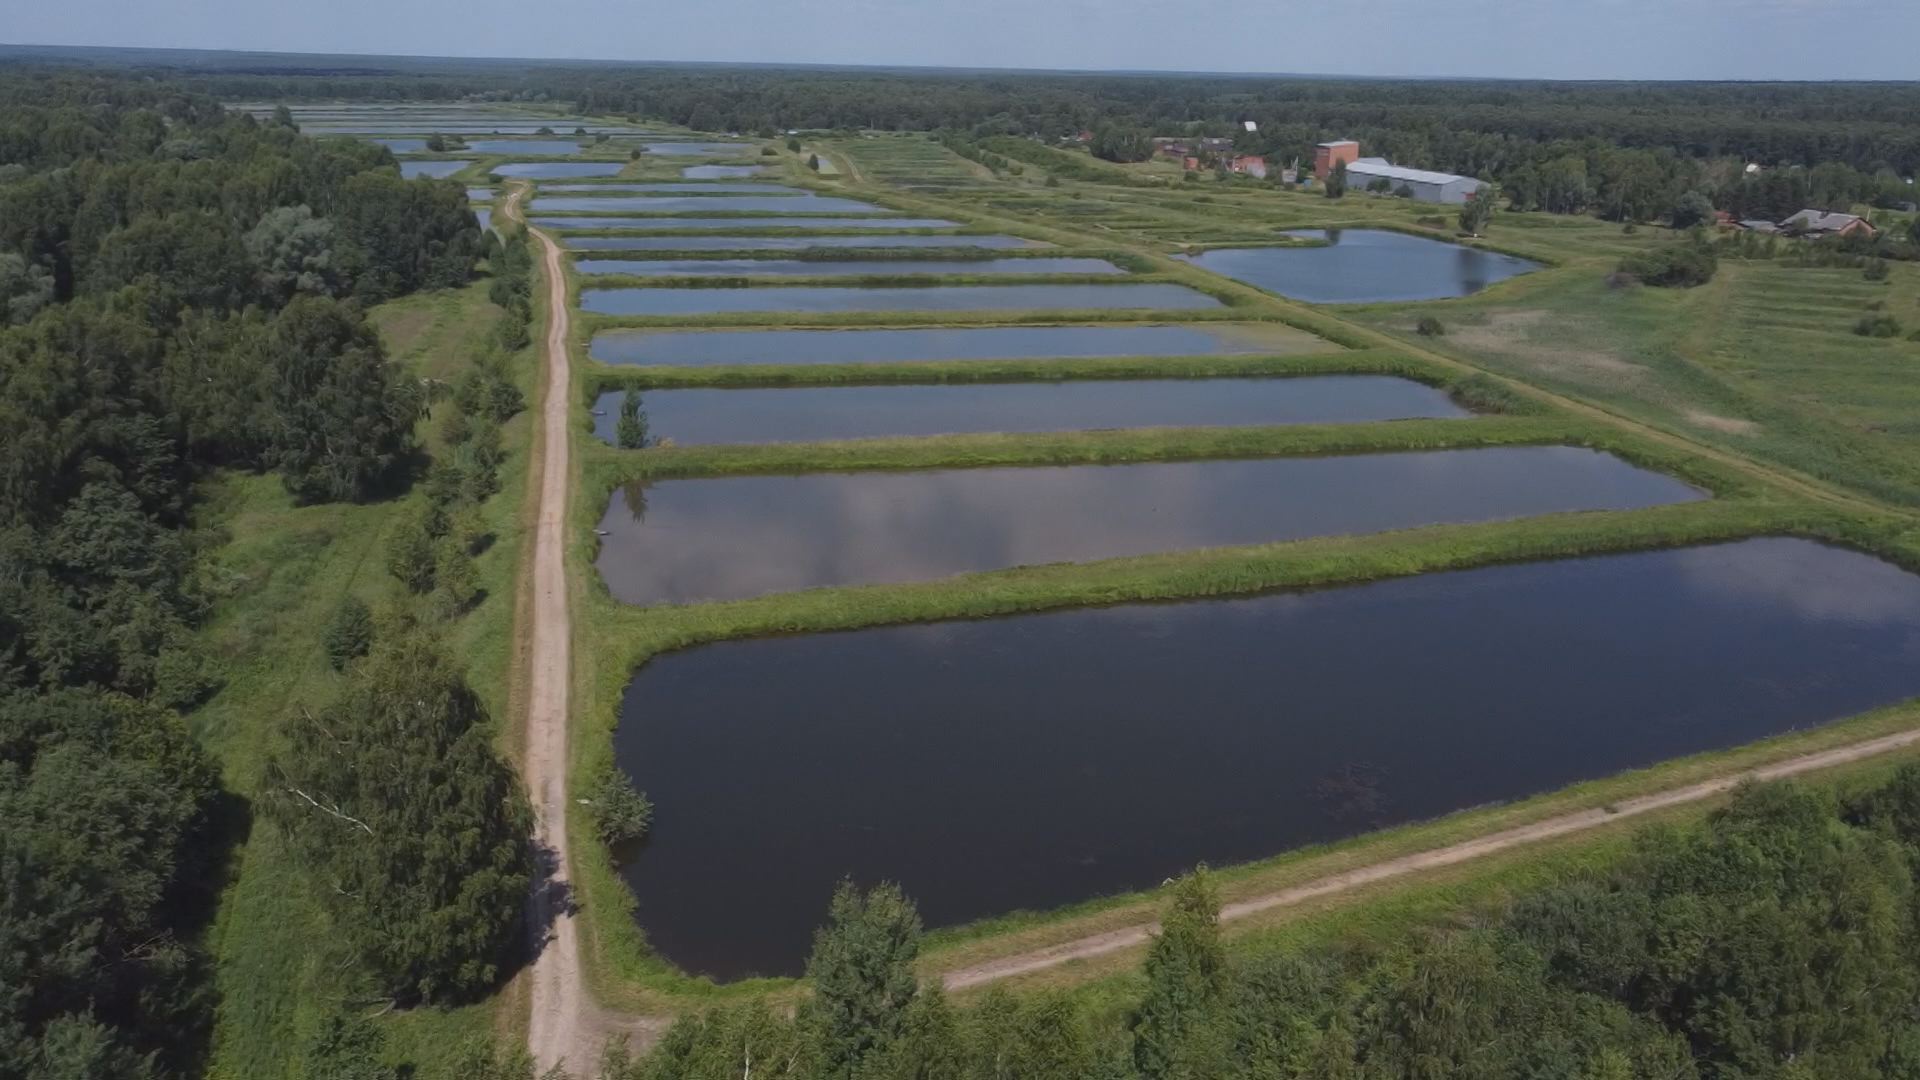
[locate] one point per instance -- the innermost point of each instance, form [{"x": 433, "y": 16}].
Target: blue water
[
  {"x": 707, "y": 204},
  {"x": 791, "y": 243},
  {"x": 667, "y": 300},
  {"x": 541, "y": 170},
  {"x": 720, "y": 172},
  {"x": 823, "y": 268},
  {"x": 431, "y": 169},
  {"x": 1364, "y": 265},
  {"x": 702, "y": 348}
]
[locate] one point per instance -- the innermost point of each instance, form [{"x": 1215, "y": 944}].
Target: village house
[{"x": 1822, "y": 223}]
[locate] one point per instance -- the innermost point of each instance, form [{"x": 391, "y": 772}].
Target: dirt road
[{"x": 1136, "y": 936}]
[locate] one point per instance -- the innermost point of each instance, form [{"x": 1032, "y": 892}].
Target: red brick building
[{"x": 1328, "y": 154}]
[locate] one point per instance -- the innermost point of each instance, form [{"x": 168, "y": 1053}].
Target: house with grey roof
[
  {"x": 1420, "y": 184},
  {"x": 1822, "y": 223}
]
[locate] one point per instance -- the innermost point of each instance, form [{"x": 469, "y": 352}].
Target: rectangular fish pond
[
  {"x": 824, "y": 298},
  {"x": 1039, "y": 760},
  {"x": 742, "y": 224},
  {"x": 703, "y": 348},
  {"x": 855, "y": 268},
  {"x": 1358, "y": 266},
  {"x": 672, "y": 187},
  {"x": 432, "y": 170},
  {"x": 544, "y": 170},
  {"x": 726, "y": 538},
  {"x": 793, "y": 243},
  {"x": 692, "y": 417},
  {"x": 721, "y": 172},
  {"x": 700, "y": 204}
]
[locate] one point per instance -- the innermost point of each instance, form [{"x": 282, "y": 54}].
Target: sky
[{"x": 1562, "y": 39}]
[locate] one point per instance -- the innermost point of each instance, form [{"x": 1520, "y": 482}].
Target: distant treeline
[
  {"x": 180, "y": 289},
  {"x": 1473, "y": 127}
]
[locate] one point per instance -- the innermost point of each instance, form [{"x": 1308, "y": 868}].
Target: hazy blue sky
[{"x": 1696, "y": 39}]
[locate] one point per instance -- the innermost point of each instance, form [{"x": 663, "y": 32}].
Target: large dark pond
[
  {"x": 816, "y": 298},
  {"x": 546, "y": 170},
  {"x": 1039, "y": 760},
  {"x": 790, "y": 243},
  {"x": 680, "y": 541},
  {"x": 701, "y": 204},
  {"x": 701, "y": 348},
  {"x": 853, "y": 268},
  {"x": 743, "y": 224},
  {"x": 432, "y": 170},
  {"x": 1363, "y": 265},
  {"x": 860, "y": 412},
  {"x": 720, "y": 172}
]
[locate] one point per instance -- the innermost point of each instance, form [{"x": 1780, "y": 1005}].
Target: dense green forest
[{"x": 182, "y": 290}]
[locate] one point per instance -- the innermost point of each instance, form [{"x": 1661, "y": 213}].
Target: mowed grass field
[{"x": 279, "y": 570}]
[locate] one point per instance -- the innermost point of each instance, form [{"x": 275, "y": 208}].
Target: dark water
[
  {"x": 546, "y": 170},
  {"x": 732, "y": 537},
  {"x": 1035, "y": 761},
  {"x": 791, "y": 243},
  {"x": 403, "y": 146},
  {"x": 484, "y": 215},
  {"x": 702, "y": 204},
  {"x": 671, "y": 187},
  {"x": 720, "y": 172},
  {"x": 813, "y": 298},
  {"x": 480, "y": 194},
  {"x": 430, "y": 169},
  {"x": 1363, "y": 265},
  {"x": 692, "y": 149},
  {"x": 822, "y": 268},
  {"x": 701, "y": 348},
  {"x": 859, "y": 412},
  {"x": 745, "y": 224}
]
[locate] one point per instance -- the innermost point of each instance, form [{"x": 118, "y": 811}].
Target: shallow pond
[
  {"x": 675, "y": 187},
  {"x": 403, "y": 146},
  {"x": 743, "y": 224},
  {"x": 720, "y": 172},
  {"x": 702, "y": 348},
  {"x": 680, "y": 541},
  {"x": 705, "y": 204},
  {"x": 484, "y": 215},
  {"x": 1040, "y": 760},
  {"x": 693, "y": 149},
  {"x": 823, "y": 268},
  {"x": 691, "y": 417},
  {"x": 527, "y": 146},
  {"x": 480, "y": 194},
  {"x": 1364, "y": 265},
  {"x": 430, "y": 169},
  {"x": 792, "y": 243},
  {"x": 541, "y": 170},
  {"x": 824, "y": 298}
]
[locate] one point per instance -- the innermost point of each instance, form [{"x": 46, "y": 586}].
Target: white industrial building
[{"x": 1433, "y": 187}]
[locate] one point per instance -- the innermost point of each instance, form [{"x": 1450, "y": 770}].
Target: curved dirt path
[{"x": 1136, "y": 936}]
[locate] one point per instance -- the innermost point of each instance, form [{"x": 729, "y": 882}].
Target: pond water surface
[
  {"x": 793, "y": 243},
  {"x": 744, "y": 224},
  {"x": 528, "y": 146},
  {"x": 675, "y": 187},
  {"x": 542, "y": 170},
  {"x": 432, "y": 170},
  {"x": 817, "y": 298},
  {"x": 823, "y": 268},
  {"x": 1040, "y": 760},
  {"x": 702, "y": 348},
  {"x": 689, "y": 149},
  {"x": 1363, "y": 265},
  {"x": 679, "y": 541},
  {"x": 720, "y": 172},
  {"x": 701, "y": 204},
  {"x": 403, "y": 146},
  {"x": 691, "y": 417},
  {"x": 480, "y": 194},
  {"x": 484, "y": 215}
]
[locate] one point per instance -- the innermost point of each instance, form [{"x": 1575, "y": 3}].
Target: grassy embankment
[
  {"x": 1747, "y": 502},
  {"x": 280, "y": 570}
]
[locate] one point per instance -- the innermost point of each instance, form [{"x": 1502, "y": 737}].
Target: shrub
[
  {"x": 1876, "y": 270},
  {"x": 1879, "y": 326},
  {"x": 1629, "y": 228},
  {"x": 1680, "y": 266},
  {"x": 1431, "y": 327},
  {"x": 621, "y": 814},
  {"x": 349, "y": 633}
]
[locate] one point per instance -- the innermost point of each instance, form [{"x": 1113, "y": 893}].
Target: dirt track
[{"x": 1465, "y": 851}]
